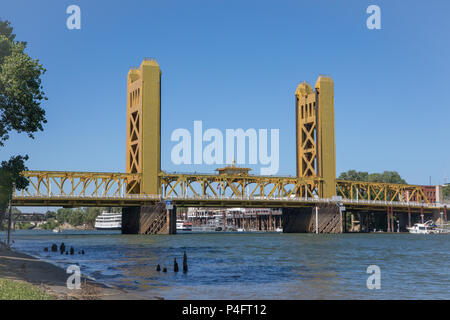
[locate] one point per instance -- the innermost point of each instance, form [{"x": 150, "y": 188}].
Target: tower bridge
[{"x": 144, "y": 187}]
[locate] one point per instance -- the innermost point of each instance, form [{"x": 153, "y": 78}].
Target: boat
[
  {"x": 240, "y": 229},
  {"x": 423, "y": 228},
  {"x": 108, "y": 221},
  {"x": 184, "y": 225},
  {"x": 56, "y": 230},
  {"x": 279, "y": 229}
]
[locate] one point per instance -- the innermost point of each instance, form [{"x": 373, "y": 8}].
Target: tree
[
  {"x": 21, "y": 91},
  {"x": 21, "y": 94},
  {"x": 386, "y": 176},
  {"x": 10, "y": 176},
  {"x": 446, "y": 192},
  {"x": 353, "y": 175}
]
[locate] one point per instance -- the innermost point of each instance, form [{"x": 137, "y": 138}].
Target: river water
[{"x": 255, "y": 265}]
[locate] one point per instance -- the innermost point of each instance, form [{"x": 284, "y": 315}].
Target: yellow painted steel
[
  {"x": 306, "y": 131},
  {"x": 315, "y": 133},
  {"x": 182, "y": 185},
  {"x": 325, "y": 128},
  {"x": 377, "y": 191},
  {"x": 60, "y": 183},
  {"x": 143, "y": 147},
  {"x": 80, "y": 185},
  {"x": 144, "y": 181}
]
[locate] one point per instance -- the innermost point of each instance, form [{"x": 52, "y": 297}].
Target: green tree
[
  {"x": 10, "y": 176},
  {"x": 21, "y": 95},
  {"x": 386, "y": 176},
  {"x": 21, "y": 92},
  {"x": 446, "y": 192},
  {"x": 353, "y": 175}
]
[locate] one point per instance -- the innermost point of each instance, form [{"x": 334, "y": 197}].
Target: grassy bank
[{"x": 19, "y": 290}]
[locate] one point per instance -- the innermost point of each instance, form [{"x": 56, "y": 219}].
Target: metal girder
[
  {"x": 95, "y": 187},
  {"x": 62, "y": 183},
  {"x": 184, "y": 185},
  {"x": 377, "y": 191}
]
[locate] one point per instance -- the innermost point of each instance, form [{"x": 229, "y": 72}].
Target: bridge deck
[
  {"x": 82, "y": 189},
  {"x": 247, "y": 202}
]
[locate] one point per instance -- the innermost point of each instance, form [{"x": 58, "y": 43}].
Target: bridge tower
[
  {"x": 143, "y": 146},
  {"x": 143, "y": 151},
  {"x": 315, "y": 133}
]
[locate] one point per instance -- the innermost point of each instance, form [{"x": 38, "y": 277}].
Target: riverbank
[{"x": 49, "y": 279}]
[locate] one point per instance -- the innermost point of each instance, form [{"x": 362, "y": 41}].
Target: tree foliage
[
  {"x": 446, "y": 192},
  {"x": 10, "y": 176},
  {"x": 386, "y": 176},
  {"x": 21, "y": 92},
  {"x": 74, "y": 217}
]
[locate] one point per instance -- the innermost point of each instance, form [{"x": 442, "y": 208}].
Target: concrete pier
[
  {"x": 305, "y": 220},
  {"x": 149, "y": 220}
]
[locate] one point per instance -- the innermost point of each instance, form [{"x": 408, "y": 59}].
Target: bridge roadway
[
  {"x": 82, "y": 189},
  {"x": 130, "y": 200}
]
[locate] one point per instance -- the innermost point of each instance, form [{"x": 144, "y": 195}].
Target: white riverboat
[
  {"x": 428, "y": 227},
  {"x": 183, "y": 225},
  {"x": 108, "y": 221}
]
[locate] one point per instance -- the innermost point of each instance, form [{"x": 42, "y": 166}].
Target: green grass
[{"x": 18, "y": 290}]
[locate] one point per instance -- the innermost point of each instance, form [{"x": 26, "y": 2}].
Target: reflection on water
[{"x": 255, "y": 265}]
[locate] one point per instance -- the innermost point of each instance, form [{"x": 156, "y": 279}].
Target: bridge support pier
[
  {"x": 303, "y": 220},
  {"x": 296, "y": 220},
  {"x": 404, "y": 222},
  {"x": 149, "y": 220}
]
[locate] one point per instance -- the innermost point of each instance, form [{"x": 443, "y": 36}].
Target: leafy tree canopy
[
  {"x": 386, "y": 176},
  {"x": 10, "y": 175},
  {"x": 21, "y": 94},
  {"x": 446, "y": 192}
]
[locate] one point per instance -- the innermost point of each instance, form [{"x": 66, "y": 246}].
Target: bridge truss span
[
  {"x": 214, "y": 185},
  {"x": 61, "y": 188},
  {"x": 377, "y": 191},
  {"x": 62, "y": 183}
]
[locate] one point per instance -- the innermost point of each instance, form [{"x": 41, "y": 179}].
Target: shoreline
[{"x": 18, "y": 266}]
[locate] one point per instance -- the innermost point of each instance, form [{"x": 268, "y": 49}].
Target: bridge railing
[
  {"x": 104, "y": 185},
  {"x": 160, "y": 197}
]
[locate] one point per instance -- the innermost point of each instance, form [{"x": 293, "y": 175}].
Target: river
[{"x": 254, "y": 265}]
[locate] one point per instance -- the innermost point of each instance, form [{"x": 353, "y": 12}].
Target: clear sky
[{"x": 236, "y": 64}]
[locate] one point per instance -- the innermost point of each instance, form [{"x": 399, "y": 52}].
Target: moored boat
[
  {"x": 108, "y": 221},
  {"x": 428, "y": 227},
  {"x": 183, "y": 225}
]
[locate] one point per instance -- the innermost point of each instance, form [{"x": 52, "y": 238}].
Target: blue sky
[{"x": 236, "y": 64}]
